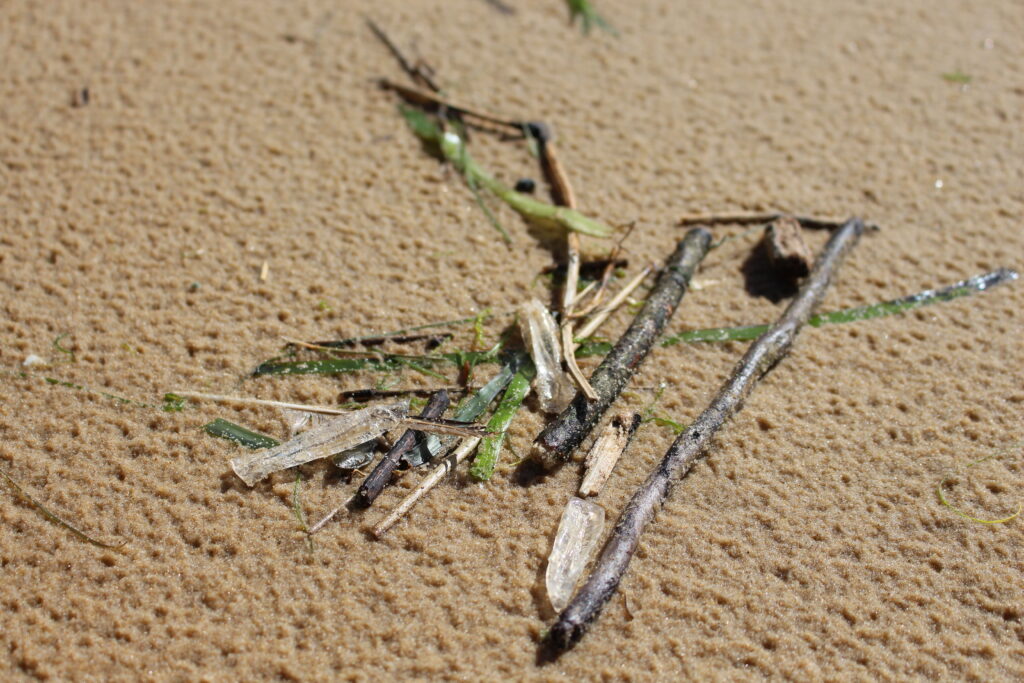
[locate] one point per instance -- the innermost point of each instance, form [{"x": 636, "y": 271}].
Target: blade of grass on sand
[
  {"x": 490, "y": 448},
  {"x": 588, "y": 17},
  {"x": 224, "y": 429},
  {"x": 453, "y": 149},
  {"x": 54, "y": 518},
  {"x": 973, "y": 285},
  {"x": 300, "y": 516}
]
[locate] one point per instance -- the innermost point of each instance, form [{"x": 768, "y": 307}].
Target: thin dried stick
[
  {"x": 381, "y": 474},
  {"x": 606, "y": 277},
  {"x": 416, "y": 73},
  {"x": 606, "y": 451},
  {"x": 220, "y": 398},
  {"x": 423, "y": 98},
  {"x": 332, "y": 514},
  {"x": 620, "y": 298},
  {"x": 429, "y": 482},
  {"x": 755, "y": 217},
  {"x": 569, "y": 352},
  {"x": 691, "y": 445},
  {"x": 425, "y": 424},
  {"x": 563, "y": 195},
  {"x": 558, "y": 440}
]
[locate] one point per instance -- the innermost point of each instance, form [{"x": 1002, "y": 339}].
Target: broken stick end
[{"x": 242, "y": 467}]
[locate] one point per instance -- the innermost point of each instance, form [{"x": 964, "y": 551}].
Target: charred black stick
[
  {"x": 364, "y": 395},
  {"x": 432, "y": 340},
  {"x": 381, "y": 474},
  {"x": 556, "y": 443},
  {"x": 763, "y": 354}
]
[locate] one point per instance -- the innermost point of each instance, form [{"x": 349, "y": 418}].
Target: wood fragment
[
  {"x": 606, "y": 451},
  {"x": 264, "y": 271},
  {"x": 381, "y": 474},
  {"x": 464, "y": 450},
  {"x": 787, "y": 252},
  {"x": 691, "y": 445},
  {"x": 557, "y": 441}
]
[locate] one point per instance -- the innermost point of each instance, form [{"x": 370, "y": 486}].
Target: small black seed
[{"x": 526, "y": 185}]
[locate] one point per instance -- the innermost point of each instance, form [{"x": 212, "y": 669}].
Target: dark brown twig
[
  {"x": 427, "y": 99},
  {"x": 419, "y": 73},
  {"x": 432, "y": 340},
  {"x": 763, "y": 354},
  {"x": 364, "y": 395},
  {"x": 755, "y": 217},
  {"x": 561, "y": 437},
  {"x": 381, "y": 474}
]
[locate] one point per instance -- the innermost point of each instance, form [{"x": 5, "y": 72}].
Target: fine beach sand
[{"x": 219, "y": 135}]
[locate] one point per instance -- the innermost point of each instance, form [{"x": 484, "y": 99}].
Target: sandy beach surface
[{"x": 219, "y": 136}]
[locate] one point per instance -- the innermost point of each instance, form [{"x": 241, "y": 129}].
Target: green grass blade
[
  {"x": 588, "y": 17},
  {"x": 490, "y": 448},
  {"x": 54, "y": 518},
  {"x": 229, "y": 430},
  {"x": 453, "y": 148},
  {"x": 300, "y": 516},
  {"x": 973, "y": 285}
]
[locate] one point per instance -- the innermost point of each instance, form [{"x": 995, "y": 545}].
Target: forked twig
[{"x": 763, "y": 354}]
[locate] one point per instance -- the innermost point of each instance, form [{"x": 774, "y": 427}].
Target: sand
[{"x": 219, "y": 136}]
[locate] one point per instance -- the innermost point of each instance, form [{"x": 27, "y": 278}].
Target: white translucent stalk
[
  {"x": 552, "y": 385},
  {"x": 333, "y": 436},
  {"x": 579, "y": 531}
]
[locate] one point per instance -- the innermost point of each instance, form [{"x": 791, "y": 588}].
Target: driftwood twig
[
  {"x": 762, "y": 355},
  {"x": 558, "y": 440}
]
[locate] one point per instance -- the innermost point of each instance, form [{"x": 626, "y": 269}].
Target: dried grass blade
[{"x": 56, "y": 519}]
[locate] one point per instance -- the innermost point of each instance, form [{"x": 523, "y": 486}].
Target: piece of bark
[
  {"x": 691, "y": 445},
  {"x": 787, "y": 252},
  {"x": 560, "y": 438},
  {"x": 606, "y": 451}
]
